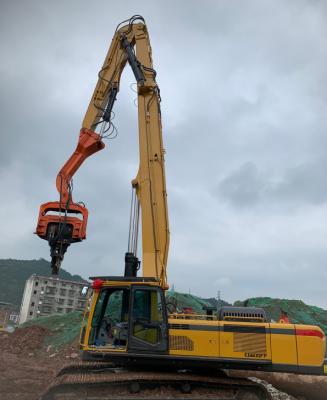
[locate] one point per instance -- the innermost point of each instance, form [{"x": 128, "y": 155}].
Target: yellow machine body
[{"x": 196, "y": 340}]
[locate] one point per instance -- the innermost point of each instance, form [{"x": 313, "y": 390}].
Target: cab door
[{"x": 148, "y": 326}]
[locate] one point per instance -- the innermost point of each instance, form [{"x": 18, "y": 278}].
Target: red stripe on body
[{"x": 309, "y": 332}]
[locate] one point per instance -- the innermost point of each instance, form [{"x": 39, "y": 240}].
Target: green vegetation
[{"x": 14, "y": 273}]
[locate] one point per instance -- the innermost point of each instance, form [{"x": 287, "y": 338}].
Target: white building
[{"x": 45, "y": 295}]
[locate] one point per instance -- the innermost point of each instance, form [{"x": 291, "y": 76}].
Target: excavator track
[{"x": 100, "y": 381}]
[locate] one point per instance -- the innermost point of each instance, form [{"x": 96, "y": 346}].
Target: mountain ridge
[{"x": 14, "y": 273}]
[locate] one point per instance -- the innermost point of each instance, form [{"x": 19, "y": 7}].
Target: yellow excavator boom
[{"x": 130, "y": 44}]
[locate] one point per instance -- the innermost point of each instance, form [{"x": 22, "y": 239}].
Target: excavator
[{"x": 129, "y": 339}]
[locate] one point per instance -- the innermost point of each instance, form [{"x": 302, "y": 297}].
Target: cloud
[
  {"x": 242, "y": 187},
  {"x": 295, "y": 187}
]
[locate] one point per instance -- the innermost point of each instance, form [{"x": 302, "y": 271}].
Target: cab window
[
  {"x": 110, "y": 318},
  {"x": 147, "y": 315}
]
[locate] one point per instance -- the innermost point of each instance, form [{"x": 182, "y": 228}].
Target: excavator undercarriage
[{"x": 100, "y": 381}]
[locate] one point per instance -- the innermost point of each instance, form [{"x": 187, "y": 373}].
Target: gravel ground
[{"x": 301, "y": 387}]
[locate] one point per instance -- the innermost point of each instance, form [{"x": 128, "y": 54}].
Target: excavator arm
[{"x": 56, "y": 224}]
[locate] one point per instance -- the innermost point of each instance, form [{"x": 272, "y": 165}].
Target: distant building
[
  {"x": 14, "y": 318},
  {"x": 44, "y": 295},
  {"x": 5, "y": 310}
]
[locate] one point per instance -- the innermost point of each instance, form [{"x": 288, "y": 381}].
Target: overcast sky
[{"x": 244, "y": 89}]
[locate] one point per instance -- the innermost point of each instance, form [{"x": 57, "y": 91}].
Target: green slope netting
[
  {"x": 297, "y": 311},
  {"x": 64, "y": 328},
  {"x": 184, "y": 300}
]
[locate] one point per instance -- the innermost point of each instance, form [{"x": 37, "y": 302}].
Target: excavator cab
[{"x": 129, "y": 314}]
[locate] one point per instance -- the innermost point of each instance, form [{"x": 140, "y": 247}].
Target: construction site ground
[{"x": 28, "y": 365}]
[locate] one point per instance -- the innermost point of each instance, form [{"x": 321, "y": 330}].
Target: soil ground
[{"x": 27, "y": 368}]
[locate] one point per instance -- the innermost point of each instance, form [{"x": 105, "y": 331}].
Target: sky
[{"x": 244, "y": 97}]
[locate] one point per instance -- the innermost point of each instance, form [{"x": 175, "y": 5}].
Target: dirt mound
[
  {"x": 24, "y": 340},
  {"x": 63, "y": 329}
]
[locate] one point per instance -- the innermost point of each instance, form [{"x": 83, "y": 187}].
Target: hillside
[
  {"x": 14, "y": 273},
  {"x": 298, "y": 312},
  {"x": 186, "y": 300}
]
